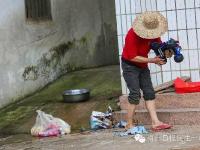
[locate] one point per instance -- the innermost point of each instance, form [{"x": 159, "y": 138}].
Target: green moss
[
  {"x": 14, "y": 114},
  {"x": 83, "y": 40},
  {"x": 62, "y": 48},
  {"x": 30, "y": 73},
  {"x": 45, "y": 61},
  {"x": 70, "y": 67},
  {"x": 52, "y": 60}
]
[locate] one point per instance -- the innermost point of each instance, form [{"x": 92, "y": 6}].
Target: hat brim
[{"x": 146, "y": 33}]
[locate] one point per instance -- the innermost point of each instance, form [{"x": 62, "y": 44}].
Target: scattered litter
[
  {"x": 100, "y": 120},
  {"x": 140, "y": 138},
  {"x": 121, "y": 124},
  {"x": 47, "y": 125},
  {"x": 132, "y": 131}
]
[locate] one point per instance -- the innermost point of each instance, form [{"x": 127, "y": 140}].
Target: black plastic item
[{"x": 76, "y": 95}]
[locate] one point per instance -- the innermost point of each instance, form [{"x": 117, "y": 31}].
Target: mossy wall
[{"x": 82, "y": 34}]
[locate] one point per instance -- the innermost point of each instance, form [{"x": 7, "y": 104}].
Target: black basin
[{"x": 76, "y": 95}]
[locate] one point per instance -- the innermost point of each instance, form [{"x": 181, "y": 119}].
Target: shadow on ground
[{"x": 104, "y": 83}]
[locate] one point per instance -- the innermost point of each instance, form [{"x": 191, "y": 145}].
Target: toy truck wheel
[{"x": 178, "y": 58}]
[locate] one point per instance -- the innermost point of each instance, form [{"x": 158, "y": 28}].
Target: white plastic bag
[
  {"x": 65, "y": 127},
  {"x": 47, "y": 125},
  {"x": 40, "y": 124}
]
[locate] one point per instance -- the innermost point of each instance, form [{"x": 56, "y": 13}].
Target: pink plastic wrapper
[{"x": 50, "y": 132}]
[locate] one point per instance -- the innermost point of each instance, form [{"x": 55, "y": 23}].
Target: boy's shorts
[{"x": 137, "y": 78}]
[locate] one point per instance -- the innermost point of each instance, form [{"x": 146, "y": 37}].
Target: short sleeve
[{"x": 131, "y": 45}]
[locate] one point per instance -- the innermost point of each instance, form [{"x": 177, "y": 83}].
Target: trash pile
[
  {"x": 136, "y": 131},
  {"x": 100, "y": 120},
  {"x": 132, "y": 131},
  {"x": 46, "y": 125}
]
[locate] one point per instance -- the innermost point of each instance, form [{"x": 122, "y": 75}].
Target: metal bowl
[{"x": 76, "y": 95}]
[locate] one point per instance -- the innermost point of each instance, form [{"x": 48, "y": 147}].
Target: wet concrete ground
[{"x": 178, "y": 138}]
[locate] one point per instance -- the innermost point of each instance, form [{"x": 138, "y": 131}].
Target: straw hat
[{"x": 150, "y": 25}]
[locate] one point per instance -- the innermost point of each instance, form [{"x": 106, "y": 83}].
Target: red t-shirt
[{"x": 137, "y": 46}]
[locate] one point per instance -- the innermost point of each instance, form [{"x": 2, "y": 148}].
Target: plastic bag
[
  {"x": 140, "y": 138},
  {"x": 47, "y": 125},
  {"x": 132, "y": 131},
  {"x": 65, "y": 128}
]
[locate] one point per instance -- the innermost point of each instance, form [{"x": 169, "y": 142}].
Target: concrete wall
[{"x": 81, "y": 35}]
